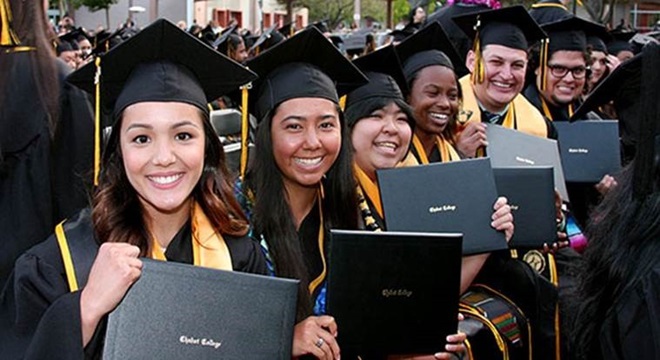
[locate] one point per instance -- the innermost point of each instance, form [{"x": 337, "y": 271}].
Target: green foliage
[
  {"x": 400, "y": 10},
  {"x": 96, "y": 5}
]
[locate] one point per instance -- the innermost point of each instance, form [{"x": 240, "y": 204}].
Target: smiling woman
[{"x": 300, "y": 182}]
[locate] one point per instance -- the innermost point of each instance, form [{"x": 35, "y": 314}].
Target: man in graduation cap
[
  {"x": 162, "y": 159},
  {"x": 620, "y": 46},
  {"x": 497, "y": 64},
  {"x": 560, "y": 75}
]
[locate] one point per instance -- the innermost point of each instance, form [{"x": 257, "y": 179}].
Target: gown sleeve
[
  {"x": 39, "y": 316},
  {"x": 246, "y": 255}
]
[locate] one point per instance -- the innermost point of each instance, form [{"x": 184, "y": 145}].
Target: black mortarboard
[
  {"x": 510, "y": 26},
  {"x": 621, "y": 42},
  {"x": 597, "y": 42},
  {"x": 570, "y": 34},
  {"x": 321, "y": 26},
  {"x": 399, "y": 35},
  {"x": 161, "y": 63},
  {"x": 429, "y": 46},
  {"x": 287, "y": 29},
  {"x": 268, "y": 39},
  {"x": 634, "y": 87},
  {"x": 75, "y": 35},
  {"x": 386, "y": 79},
  {"x": 336, "y": 40},
  {"x": 220, "y": 43},
  {"x": 305, "y": 65},
  {"x": 547, "y": 11}
]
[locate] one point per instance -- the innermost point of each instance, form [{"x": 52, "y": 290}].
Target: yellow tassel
[
  {"x": 543, "y": 54},
  {"x": 479, "y": 73},
  {"x": 7, "y": 35},
  {"x": 97, "y": 121},
  {"x": 342, "y": 103},
  {"x": 244, "y": 128}
]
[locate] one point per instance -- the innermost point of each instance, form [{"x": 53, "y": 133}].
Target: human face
[
  {"x": 162, "y": 144},
  {"x": 240, "y": 55},
  {"x": 381, "y": 140},
  {"x": 504, "y": 75},
  {"x": 70, "y": 58},
  {"x": 434, "y": 98},
  {"x": 85, "y": 47},
  {"x": 598, "y": 66},
  {"x": 419, "y": 16},
  {"x": 624, "y": 55},
  {"x": 306, "y": 135},
  {"x": 563, "y": 90}
]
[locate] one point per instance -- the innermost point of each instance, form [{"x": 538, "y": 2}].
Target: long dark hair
[
  {"x": 623, "y": 247},
  {"x": 30, "y": 26},
  {"x": 272, "y": 217},
  {"x": 117, "y": 212}
]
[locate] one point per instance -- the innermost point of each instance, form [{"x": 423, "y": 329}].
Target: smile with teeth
[
  {"x": 387, "y": 144},
  {"x": 502, "y": 85},
  {"x": 308, "y": 161},
  {"x": 164, "y": 180},
  {"x": 439, "y": 116}
]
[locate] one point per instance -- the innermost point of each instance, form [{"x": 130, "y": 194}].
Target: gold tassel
[
  {"x": 7, "y": 35},
  {"x": 244, "y": 128},
  {"x": 479, "y": 73},
  {"x": 543, "y": 54},
  {"x": 97, "y": 121},
  {"x": 342, "y": 103}
]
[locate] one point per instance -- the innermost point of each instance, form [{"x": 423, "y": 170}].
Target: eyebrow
[
  {"x": 304, "y": 118},
  {"x": 149, "y": 126}
]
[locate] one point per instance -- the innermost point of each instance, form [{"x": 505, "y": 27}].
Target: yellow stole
[
  {"x": 209, "y": 248},
  {"x": 447, "y": 152},
  {"x": 370, "y": 189},
  {"x": 522, "y": 115},
  {"x": 546, "y": 109}
]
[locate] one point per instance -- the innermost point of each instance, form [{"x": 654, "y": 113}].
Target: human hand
[
  {"x": 471, "y": 139},
  {"x": 316, "y": 335},
  {"x": 612, "y": 62},
  {"x": 606, "y": 184},
  {"x": 560, "y": 243},
  {"x": 455, "y": 345},
  {"x": 503, "y": 218},
  {"x": 114, "y": 270}
]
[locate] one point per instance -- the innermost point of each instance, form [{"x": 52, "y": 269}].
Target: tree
[{"x": 96, "y": 5}]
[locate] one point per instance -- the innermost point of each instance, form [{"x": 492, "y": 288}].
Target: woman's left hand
[{"x": 503, "y": 218}]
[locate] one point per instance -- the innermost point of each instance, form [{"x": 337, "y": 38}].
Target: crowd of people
[{"x": 106, "y": 143}]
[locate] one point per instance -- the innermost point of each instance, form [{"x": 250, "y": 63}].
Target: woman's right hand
[
  {"x": 115, "y": 269},
  {"x": 316, "y": 335}
]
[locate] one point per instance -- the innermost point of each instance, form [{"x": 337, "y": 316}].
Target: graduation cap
[
  {"x": 268, "y": 39},
  {"x": 429, "y": 46},
  {"x": 634, "y": 87},
  {"x": 305, "y": 65},
  {"x": 598, "y": 40},
  {"x": 161, "y": 63},
  {"x": 287, "y": 29},
  {"x": 220, "y": 43},
  {"x": 547, "y": 11},
  {"x": 336, "y": 40},
  {"x": 621, "y": 42},
  {"x": 386, "y": 79},
  {"x": 399, "y": 35},
  {"x": 321, "y": 26},
  {"x": 511, "y": 27}
]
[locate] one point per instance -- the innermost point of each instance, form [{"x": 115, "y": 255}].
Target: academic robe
[
  {"x": 42, "y": 179},
  {"x": 40, "y": 317}
]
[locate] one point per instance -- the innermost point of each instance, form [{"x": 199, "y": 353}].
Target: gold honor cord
[
  {"x": 66, "y": 257},
  {"x": 244, "y": 128},
  {"x": 369, "y": 187},
  {"x": 7, "y": 35},
  {"x": 316, "y": 282},
  {"x": 548, "y": 5},
  {"x": 97, "y": 120}
]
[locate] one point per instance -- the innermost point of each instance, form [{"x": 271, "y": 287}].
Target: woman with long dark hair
[
  {"x": 300, "y": 183},
  {"x": 46, "y": 132},
  {"x": 163, "y": 193}
]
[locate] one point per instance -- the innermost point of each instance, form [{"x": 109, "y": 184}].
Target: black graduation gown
[
  {"x": 631, "y": 329},
  {"x": 41, "y": 180},
  {"x": 40, "y": 317}
]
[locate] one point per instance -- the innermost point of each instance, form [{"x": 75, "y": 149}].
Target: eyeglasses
[{"x": 579, "y": 72}]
